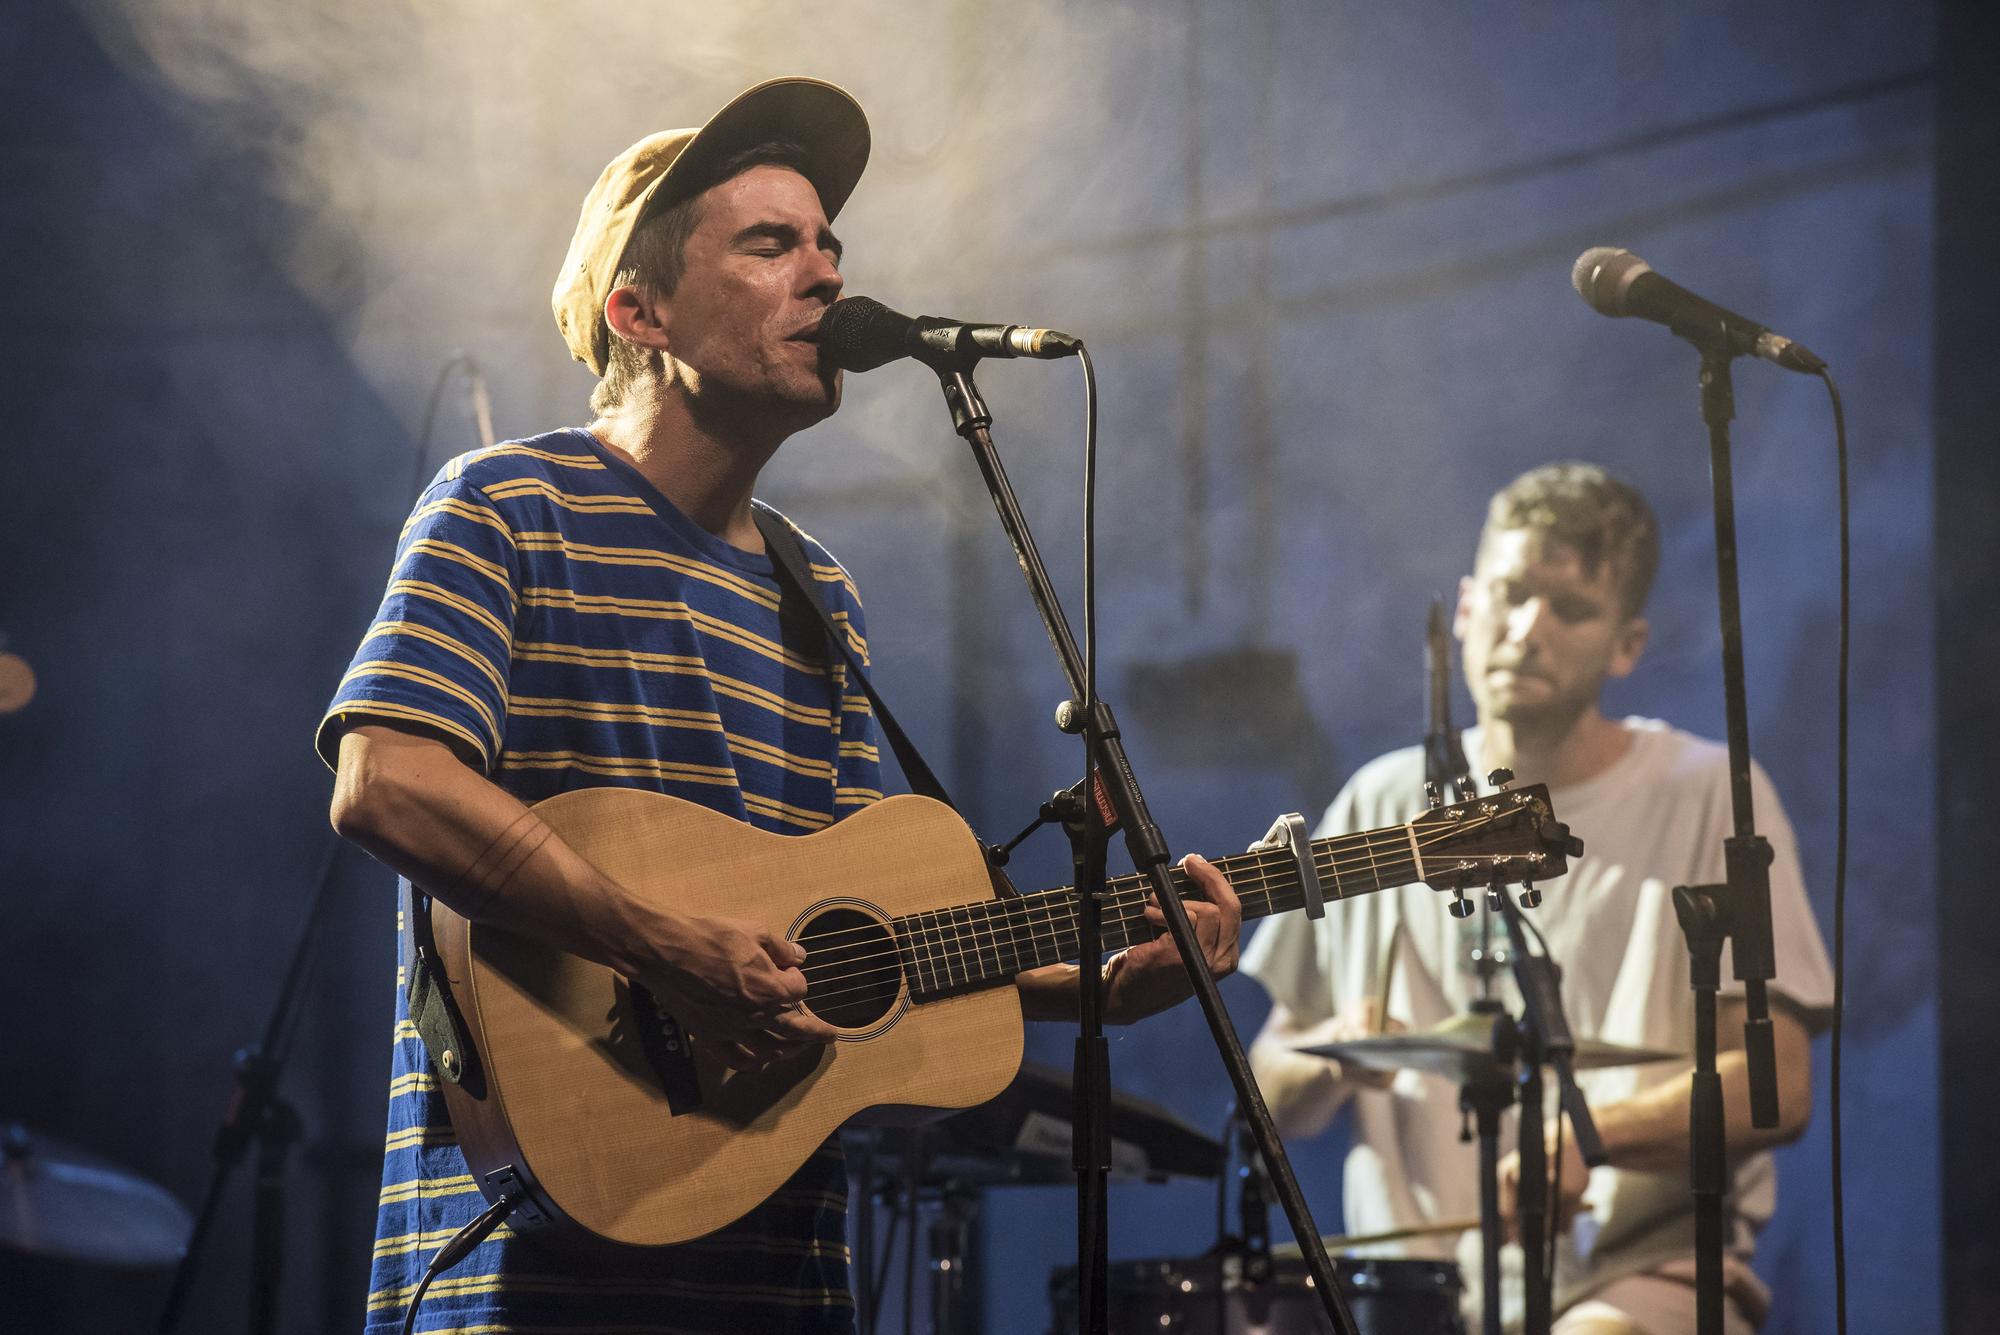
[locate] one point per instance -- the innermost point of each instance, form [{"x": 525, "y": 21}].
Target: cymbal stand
[
  {"x": 1545, "y": 1039},
  {"x": 257, "y": 1115},
  {"x": 1486, "y": 1095}
]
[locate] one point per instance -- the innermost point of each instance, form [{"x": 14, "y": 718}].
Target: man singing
[
  {"x": 1552, "y": 612},
  {"x": 595, "y": 606}
]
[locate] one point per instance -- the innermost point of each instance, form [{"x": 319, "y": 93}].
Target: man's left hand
[
  {"x": 1575, "y": 1178},
  {"x": 1149, "y": 978}
]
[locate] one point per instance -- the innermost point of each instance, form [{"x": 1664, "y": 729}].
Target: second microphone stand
[
  {"x": 1739, "y": 910},
  {"x": 1112, "y": 799}
]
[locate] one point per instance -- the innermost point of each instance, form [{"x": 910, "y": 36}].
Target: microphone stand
[
  {"x": 1111, "y": 796},
  {"x": 257, "y": 1115},
  {"x": 1739, "y": 909}
]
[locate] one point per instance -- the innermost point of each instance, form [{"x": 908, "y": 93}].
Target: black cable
[
  {"x": 1089, "y": 527},
  {"x": 910, "y": 1267},
  {"x": 456, "y": 360},
  {"x": 1555, "y": 1205},
  {"x": 458, "y": 1248},
  {"x": 1222, "y": 1179},
  {"x": 1839, "y": 868}
]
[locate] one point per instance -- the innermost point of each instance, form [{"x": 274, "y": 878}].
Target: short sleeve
[{"x": 437, "y": 654}]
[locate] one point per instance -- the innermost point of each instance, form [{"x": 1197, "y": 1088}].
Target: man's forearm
[
  {"x": 416, "y": 809},
  {"x": 1650, "y": 1131}
]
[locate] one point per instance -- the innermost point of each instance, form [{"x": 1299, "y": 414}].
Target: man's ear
[
  {"x": 1461, "y": 617},
  {"x": 1630, "y": 644},
  {"x": 631, "y": 314}
]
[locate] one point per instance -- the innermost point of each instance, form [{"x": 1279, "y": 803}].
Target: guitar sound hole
[{"x": 852, "y": 973}]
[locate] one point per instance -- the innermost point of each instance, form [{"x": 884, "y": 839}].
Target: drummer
[{"x": 1553, "y": 611}]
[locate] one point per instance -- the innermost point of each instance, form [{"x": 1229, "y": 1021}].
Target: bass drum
[{"x": 1389, "y": 1296}]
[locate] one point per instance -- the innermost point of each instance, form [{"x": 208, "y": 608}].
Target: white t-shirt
[{"x": 1655, "y": 819}]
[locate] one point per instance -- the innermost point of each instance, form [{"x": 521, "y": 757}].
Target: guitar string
[
  {"x": 1019, "y": 917},
  {"x": 1063, "y": 939},
  {"x": 1264, "y": 865},
  {"x": 1396, "y": 837},
  {"x": 963, "y": 959},
  {"x": 958, "y": 939}
]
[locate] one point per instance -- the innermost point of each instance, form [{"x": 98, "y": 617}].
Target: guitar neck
[{"x": 972, "y": 946}]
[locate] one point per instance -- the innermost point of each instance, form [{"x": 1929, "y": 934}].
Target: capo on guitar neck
[{"x": 1289, "y": 832}]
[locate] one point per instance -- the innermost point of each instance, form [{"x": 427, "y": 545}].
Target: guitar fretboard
[{"x": 972, "y": 946}]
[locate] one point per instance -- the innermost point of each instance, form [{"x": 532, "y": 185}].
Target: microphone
[
  {"x": 858, "y": 334},
  {"x": 1444, "y": 754},
  {"x": 1618, "y": 283}
]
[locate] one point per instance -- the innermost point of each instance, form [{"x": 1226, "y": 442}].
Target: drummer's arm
[
  {"x": 1304, "y": 1092},
  {"x": 1650, "y": 1130}
]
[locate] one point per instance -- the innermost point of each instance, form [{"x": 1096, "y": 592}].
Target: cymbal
[
  {"x": 67, "y": 1203},
  {"x": 1462, "y": 1047}
]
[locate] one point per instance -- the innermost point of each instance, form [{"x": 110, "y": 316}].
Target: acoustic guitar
[{"x": 611, "y": 1121}]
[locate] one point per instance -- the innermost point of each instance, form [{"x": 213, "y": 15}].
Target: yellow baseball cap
[{"x": 821, "y": 118}]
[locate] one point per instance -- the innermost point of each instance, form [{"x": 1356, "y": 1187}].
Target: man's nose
[
  {"x": 1526, "y": 619},
  {"x": 822, "y": 277}
]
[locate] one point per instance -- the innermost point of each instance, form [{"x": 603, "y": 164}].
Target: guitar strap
[
  {"x": 790, "y": 558},
  {"x": 432, "y": 1009}
]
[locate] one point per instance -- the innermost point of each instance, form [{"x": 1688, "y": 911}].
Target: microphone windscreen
[
  {"x": 860, "y": 334},
  {"x": 1603, "y": 275}
]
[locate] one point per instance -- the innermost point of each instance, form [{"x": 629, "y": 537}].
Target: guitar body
[{"x": 621, "y": 1127}]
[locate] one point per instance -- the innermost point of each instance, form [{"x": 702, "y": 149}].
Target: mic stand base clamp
[{"x": 1705, "y": 913}]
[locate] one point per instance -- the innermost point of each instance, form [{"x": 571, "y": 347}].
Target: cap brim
[{"x": 821, "y": 118}]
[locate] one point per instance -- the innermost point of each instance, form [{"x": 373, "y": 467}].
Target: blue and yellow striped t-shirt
[{"x": 562, "y": 625}]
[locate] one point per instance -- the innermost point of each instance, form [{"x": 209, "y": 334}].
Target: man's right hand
[{"x": 734, "y": 984}]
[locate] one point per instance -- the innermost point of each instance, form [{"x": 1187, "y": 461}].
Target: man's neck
[
  {"x": 1560, "y": 756},
  {"x": 708, "y": 471}
]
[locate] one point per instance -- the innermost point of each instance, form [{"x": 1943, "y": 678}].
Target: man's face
[
  {"x": 1540, "y": 636},
  {"x": 761, "y": 267}
]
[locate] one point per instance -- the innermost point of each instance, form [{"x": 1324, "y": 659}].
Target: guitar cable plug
[{"x": 459, "y": 1246}]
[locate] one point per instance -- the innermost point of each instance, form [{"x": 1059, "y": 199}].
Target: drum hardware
[
  {"x": 65, "y": 1203},
  {"x": 1021, "y": 1138},
  {"x": 1209, "y": 1296}
]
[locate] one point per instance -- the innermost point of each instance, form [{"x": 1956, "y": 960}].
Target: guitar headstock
[{"x": 1510, "y": 836}]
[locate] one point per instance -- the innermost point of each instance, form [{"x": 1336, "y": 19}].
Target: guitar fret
[
  {"x": 954, "y": 953},
  {"x": 961, "y": 942},
  {"x": 925, "y": 937},
  {"x": 977, "y": 944},
  {"x": 994, "y": 940}
]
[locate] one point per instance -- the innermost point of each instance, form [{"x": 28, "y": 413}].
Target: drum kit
[
  {"x": 1229, "y": 1293},
  {"x": 1022, "y": 1139}
]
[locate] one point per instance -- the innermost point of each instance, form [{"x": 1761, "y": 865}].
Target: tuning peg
[
  {"x": 1460, "y": 906},
  {"x": 1432, "y": 797},
  {"x": 1493, "y": 901},
  {"x": 1531, "y": 898},
  {"x": 1501, "y": 777}
]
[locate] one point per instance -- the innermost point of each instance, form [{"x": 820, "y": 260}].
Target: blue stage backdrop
[{"x": 1321, "y": 254}]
